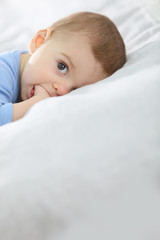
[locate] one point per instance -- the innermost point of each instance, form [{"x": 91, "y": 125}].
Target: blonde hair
[{"x": 106, "y": 42}]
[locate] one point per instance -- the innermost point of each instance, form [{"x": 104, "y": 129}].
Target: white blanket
[{"x": 86, "y": 165}]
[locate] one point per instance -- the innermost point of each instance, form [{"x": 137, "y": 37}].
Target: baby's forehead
[
  {"x": 71, "y": 42},
  {"x": 72, "y": 36}
]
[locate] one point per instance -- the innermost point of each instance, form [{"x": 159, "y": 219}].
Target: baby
[{"x": 77, "y": 50}]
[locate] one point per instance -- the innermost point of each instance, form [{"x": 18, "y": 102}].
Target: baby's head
[
  {"x": 103, "y": 37},
  {"x": 77, "y": 50}
]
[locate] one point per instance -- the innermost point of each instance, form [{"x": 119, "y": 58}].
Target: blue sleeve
[{"x": 5, "y": 113}]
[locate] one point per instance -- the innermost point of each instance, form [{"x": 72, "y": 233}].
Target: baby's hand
[{"x": 41, "y": 92}]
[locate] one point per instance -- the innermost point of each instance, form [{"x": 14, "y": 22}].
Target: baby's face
[{"x": 61, "y": 65}]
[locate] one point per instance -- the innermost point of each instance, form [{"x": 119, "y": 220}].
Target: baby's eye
[{"x": 62, "y": 67}]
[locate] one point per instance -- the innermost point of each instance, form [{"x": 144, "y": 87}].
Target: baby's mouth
[{"x": 32, "y": 92}]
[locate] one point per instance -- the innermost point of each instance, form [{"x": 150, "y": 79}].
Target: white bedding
[{"x": 86, "y": 165}]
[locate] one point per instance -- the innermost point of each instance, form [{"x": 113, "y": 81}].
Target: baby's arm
[{"x": 19, "y": 109}]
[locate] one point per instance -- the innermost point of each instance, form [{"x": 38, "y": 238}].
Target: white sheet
[{"x": 86, "y": 165}]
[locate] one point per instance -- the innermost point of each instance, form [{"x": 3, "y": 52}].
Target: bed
[{"x": 86, "y": 165}]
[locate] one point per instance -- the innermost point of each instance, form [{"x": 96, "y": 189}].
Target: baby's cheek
[
  {"x": 44, "y": 76},
  {"x": 37, "y": 75}
]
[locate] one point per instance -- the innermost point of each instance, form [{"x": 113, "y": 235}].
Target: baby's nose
[{"x": 60, "y": 90}]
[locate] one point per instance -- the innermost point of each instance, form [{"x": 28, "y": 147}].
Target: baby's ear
[{"x": 39, "y": 38}]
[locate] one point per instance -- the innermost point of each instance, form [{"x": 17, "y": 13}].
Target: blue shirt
[{"x": 9, "y": 83}]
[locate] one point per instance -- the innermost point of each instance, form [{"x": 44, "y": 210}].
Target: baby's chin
[
  {"x": 27, "y": 92},
  {"x": 23, "y": 98},
  {"x": 24, "y": 95}
]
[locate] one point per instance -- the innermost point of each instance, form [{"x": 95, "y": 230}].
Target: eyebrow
[{"x": 69, "y": 59}]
